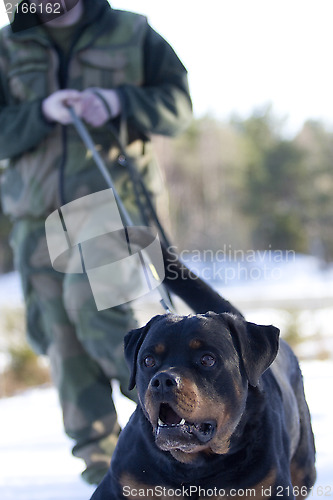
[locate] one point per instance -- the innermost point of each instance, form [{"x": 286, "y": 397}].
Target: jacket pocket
[
  {"x": 110, "y": 68},
  {"x": 28, "y": 81}
]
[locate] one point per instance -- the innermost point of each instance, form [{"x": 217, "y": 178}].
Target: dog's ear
[
  {"x": 132, "y": 342},
  {"x": 258, "y": 345}
]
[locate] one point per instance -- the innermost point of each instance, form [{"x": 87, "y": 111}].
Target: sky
[{"x": 243, "y": 54}]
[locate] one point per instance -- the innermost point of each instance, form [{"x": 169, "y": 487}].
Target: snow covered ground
[
  {"x": 35, "y": 455},
  {"x": 35, "y": 458}
]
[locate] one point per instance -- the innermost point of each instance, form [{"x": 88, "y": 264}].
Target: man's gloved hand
[
  {"x": 55, "y": 106},
  {"x": 99, "y": 106},
  {"x": 94, "y": 105}
]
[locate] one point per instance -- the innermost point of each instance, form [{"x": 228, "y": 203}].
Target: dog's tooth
[
  {"x": 160, "y": 422},
  {"x": 182, "y": 422}
]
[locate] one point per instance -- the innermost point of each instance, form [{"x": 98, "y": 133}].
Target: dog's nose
[{"x": 164, "y": 382}]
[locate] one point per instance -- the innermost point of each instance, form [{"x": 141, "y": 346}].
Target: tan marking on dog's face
[
  {"x": 195, "y": 344},
  {"x": 186, "y": 400},
  {"x": 195, "y": 405},
  {"x": 159, "y": 348},
  {"x": 228, "y": 417}
]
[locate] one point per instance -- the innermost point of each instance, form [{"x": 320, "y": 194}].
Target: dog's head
[{"x": 192, "y": 374}]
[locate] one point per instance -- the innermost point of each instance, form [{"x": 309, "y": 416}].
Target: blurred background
[{"x": 250, "y": 181}]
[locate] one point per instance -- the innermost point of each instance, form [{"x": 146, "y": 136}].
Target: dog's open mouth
[{"x": 173, "y": 426}]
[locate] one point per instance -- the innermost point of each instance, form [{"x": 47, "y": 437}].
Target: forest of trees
[{"x": 243, "y": 185}]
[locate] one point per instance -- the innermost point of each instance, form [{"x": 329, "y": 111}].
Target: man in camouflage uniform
[{"x": 109, "y": 65}]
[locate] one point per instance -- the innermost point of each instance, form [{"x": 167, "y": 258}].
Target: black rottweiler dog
[{"x": 221, "y": 410}]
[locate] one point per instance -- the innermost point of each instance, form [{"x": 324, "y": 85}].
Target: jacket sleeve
[
  {"x": 22, "y": 126},
  {"x": 163, "y": 104}
]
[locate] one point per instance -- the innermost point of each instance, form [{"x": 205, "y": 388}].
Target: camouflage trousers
[{"x": 85, "y": 346}]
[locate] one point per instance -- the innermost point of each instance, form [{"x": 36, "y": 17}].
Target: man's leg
[
  {"x": 85, "y": 394},
  {"x": 84, "y": 389},
  {"x": 101, "y": 333}
]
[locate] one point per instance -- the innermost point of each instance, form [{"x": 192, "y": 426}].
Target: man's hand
[
  {"x": 99, "y": 106},
  {"x": 55, "y": 106},
  {"x": 95, "y": 106}
]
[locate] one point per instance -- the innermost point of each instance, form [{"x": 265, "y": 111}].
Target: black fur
[{"x": 221, "y": 406}]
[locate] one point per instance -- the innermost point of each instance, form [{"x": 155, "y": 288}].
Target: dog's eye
[
  {"x": 207, "y": 360},
  {"x": 149, "y": 361}
]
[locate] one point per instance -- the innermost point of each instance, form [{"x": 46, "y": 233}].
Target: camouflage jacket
[{"x": 48, "y": 164}]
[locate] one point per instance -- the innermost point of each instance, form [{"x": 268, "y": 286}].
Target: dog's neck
[{"x": 251, "y": 421}]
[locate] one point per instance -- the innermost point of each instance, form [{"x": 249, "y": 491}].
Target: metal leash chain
[{"x": 127, "y": 221}]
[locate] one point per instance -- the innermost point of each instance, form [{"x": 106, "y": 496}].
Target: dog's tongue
[{"x": 168, "y": 415}]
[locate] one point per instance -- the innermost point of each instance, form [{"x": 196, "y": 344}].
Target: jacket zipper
[
  {"x": 63, "y": 80},
  {"x": 64, "y": 62}
]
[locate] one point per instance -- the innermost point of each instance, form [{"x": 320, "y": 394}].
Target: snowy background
[
  {"x": 35, "y": 455},
  {"x": 35, "y": 459}
]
